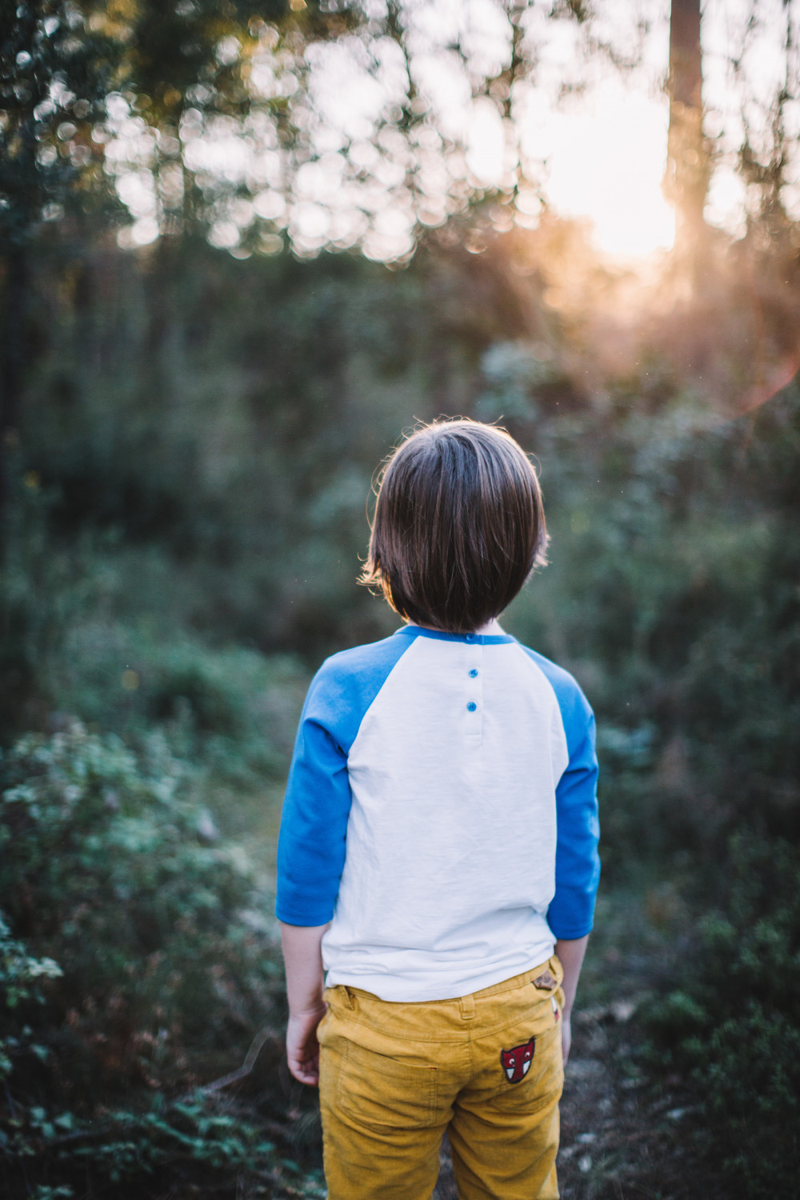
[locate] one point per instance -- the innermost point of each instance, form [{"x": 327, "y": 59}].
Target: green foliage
[
  {"x": 191, "y": 1139},
  {"x": 19, "y": 972},
  {"x": 76, "y": 637},
  {"x": 513, "y": 374},
  {"x": 244, "y": 449},
  {"x": 61, "y": 62},
  {"x": 110, "y": 865},
  {"x": 231, "y": 460},
  {"x": 43, "y": 588},
  {"x": 229, "y": 710},
  {"x": 20, "y": 977},
  {"x": 55, "y": 69},
  {"x": 670, "y": 595},
  {"x": 206, "y": 431},
  {"x": 113, "y": 870},
  {"x": 734, "y": 1023}
]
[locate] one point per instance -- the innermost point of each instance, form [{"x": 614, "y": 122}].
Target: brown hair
[{"x": 458, "y": 527}]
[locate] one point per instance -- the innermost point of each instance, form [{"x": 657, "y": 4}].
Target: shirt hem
[{"x": 397, "y": 989}]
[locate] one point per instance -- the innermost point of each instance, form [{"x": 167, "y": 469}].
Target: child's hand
[
  {"x": 302, "y": 1047},
  {"x": 305, "y": 985},
  {"x": 570, "y": 951}
]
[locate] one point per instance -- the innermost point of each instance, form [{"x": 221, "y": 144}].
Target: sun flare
[{"x": 605, "y": 164}]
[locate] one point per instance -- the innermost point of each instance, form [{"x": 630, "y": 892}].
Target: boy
[{"x": 438, "y": 848}]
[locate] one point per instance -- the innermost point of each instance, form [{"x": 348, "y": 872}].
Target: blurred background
[{"x": 244, "y": 245}]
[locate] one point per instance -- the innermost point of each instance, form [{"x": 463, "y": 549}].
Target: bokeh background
[{"x": 245, "y": 245}]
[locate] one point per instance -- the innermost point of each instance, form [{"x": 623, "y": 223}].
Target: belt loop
[
  {"x": 467, "y": 1005},
  {"x": 349, "y": 998}
]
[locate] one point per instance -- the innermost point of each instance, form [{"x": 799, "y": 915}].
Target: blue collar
[{"x": 478, "y": 639}]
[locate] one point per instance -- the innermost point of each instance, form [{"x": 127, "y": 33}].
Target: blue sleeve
[
  {"x": 312, "y": 841},
  {"x": 571, "y": 911}
]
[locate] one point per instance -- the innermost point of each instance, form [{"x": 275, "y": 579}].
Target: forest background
[{"x": 220, "y": 310}]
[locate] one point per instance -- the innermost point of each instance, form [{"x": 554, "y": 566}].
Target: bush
[
  {"x": 734, "y": 1025},
  {"x": 231, "y": 709},
  {"x": 110, "y": 868},
  {"x": 20, "y": 977},
  {"x": 43, "y": 586}
]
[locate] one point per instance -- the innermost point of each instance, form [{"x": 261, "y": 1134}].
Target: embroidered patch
[
  {"x": 516, "y": 1062},
  {"x": 545, "y": 981}
]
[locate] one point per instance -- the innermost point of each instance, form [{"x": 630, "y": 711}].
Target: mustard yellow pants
[{"x": 485, "y": 1067}]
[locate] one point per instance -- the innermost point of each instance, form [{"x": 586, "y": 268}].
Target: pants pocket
[
  {"x": 379, "y": 1091},
  {"x": 544, "y": 1079}
]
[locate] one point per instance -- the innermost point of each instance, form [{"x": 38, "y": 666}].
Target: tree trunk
[{"x": 686, "y": 183}]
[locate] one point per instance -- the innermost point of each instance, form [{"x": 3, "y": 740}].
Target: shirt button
[
  {"x": 473, "y": 673},
  {"x": 471, "y": 706}
]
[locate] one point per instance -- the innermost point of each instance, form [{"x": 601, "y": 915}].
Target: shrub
[
  {"x": 734, "y": 1025},
  {"x": 20, "y": 977},
  {"x": 43, "y": 586},
  {"x": 110, "y": 868},
  {"x": 230, "y": 709}
]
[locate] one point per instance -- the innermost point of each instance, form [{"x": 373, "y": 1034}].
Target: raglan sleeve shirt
[{"x": 312, "y": 843}]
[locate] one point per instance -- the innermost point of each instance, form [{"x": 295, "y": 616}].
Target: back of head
[{"x": 459, "y": 525}]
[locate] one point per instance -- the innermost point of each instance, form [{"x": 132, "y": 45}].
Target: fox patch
[{"x": 516, "y": 1062}]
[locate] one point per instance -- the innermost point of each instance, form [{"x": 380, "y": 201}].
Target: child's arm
[
  {"x": 305, "y": 982},
  {"x": 570, "y": 951}
]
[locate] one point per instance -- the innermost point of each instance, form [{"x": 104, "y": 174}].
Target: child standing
[{"x": 438, "y": 848}]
